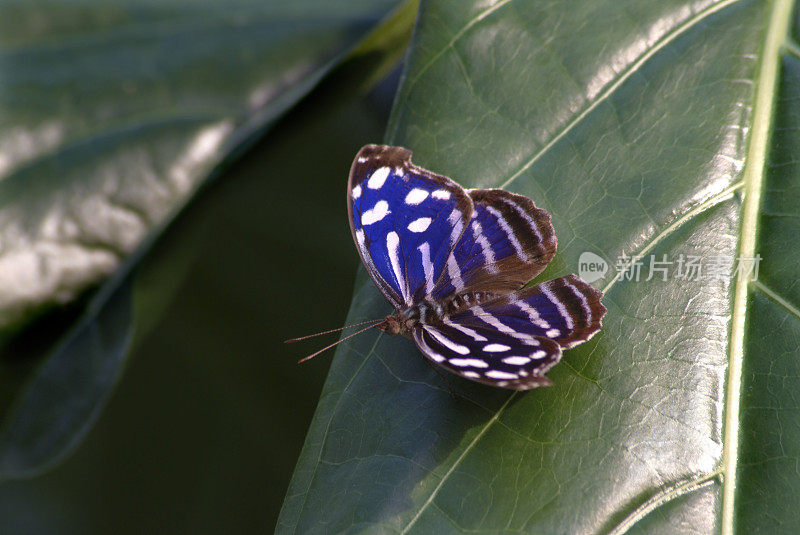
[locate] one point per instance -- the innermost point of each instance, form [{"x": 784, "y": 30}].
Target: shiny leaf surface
[
  {"x": 113, "y": 114},
  {"x": 644, "y": 128}
]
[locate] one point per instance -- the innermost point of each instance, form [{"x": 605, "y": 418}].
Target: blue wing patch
[{"x": 405, "y": 221}]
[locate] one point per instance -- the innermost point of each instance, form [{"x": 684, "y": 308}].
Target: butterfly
[{"x": 453, "y": 263}]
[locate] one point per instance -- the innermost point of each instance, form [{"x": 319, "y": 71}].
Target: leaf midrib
[{"x": 775, "y": 37}]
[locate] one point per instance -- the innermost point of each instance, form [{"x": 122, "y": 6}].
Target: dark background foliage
[{"x": 204, "y": 428}]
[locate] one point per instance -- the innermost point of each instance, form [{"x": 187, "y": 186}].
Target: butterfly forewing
[
  {"x": 507, "y": 242},
  {"x": 405, "y": 221}
]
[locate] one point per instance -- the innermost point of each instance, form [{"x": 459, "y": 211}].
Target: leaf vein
[
  {"x": 776, "y": 297},
  {"x": 775, "y": 36},
  {"x": 677, "y": 224},
  {"x": 661, "y": 498},
  {"x": 455, "y": 464},
  {"x": 625, "y": 75}
]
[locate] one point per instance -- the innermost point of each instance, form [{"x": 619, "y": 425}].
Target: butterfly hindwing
[
  {"x": 507, "y": 242},
  {"x": 405, "y": 221},
  {"x": 566, "y": 310},
  {"x": 484, "y": 354},
  {"x": 512, "y": 340}
]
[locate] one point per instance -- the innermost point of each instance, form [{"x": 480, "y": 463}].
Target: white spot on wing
[
  {"x": 441, "y": 194},
  {"x": 533, "y": 314},
  {"x": 416, "y": 196},
  {"x": 497, "y": 374},
  {"x": 475, "y": 363},
  {"x": 499, "y": 325},
  {"x": 494, "y": 348},
  {"x": 378, "y": 178},
  {"x": 357, "y": 191},
  {"x": 427, "y": 266},
  {"x": 376, "y": 213},
  {"x": 471, "y": 375},
  {"x": 552, "y": 333},
  {"x": 454, "y": 273},
  {"x": 458, "y": 225},
  {"x": 540, "y": 354},
  {"x": 486, "y": 247},
  {"x": 420, "y": 225},
  {"x": 516, "y": 361},
  {"x": 449, "y": 344},
  {"x": 393, "y": 247},
  {"x": 426, "y": 348},
  {"x": 466, "y": 330}
]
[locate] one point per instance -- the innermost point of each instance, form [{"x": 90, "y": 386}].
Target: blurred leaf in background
[
  {"x": 112, "y": 116},
  {"x": 204, "y": 429}
]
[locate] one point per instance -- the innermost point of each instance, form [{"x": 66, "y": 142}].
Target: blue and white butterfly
[{"x": 453, "y": 263}]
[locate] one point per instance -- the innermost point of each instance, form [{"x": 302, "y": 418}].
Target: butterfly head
[
  {"x": 393, "y": 325},
  {"x": 402, "y": 321}
]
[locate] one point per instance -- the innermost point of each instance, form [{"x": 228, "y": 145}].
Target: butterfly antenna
[
  {"x": 314, "y": 354},
  {"x": 292, "y": 340}
]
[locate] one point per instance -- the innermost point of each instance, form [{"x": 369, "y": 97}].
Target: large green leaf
[
  {"x": 112, "y": 114},
  {"x": 644, "y": 128}
]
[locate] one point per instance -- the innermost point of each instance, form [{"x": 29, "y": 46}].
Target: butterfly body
[
  {"x": 453, "y": 263},
  {"x": 432, "y": 312}
]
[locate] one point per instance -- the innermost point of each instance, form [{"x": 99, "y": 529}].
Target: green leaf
[
  {"x": 113, "y": 115},
  {"x": 768, "y": 483},
  {"x": 644, "y": 128}
]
